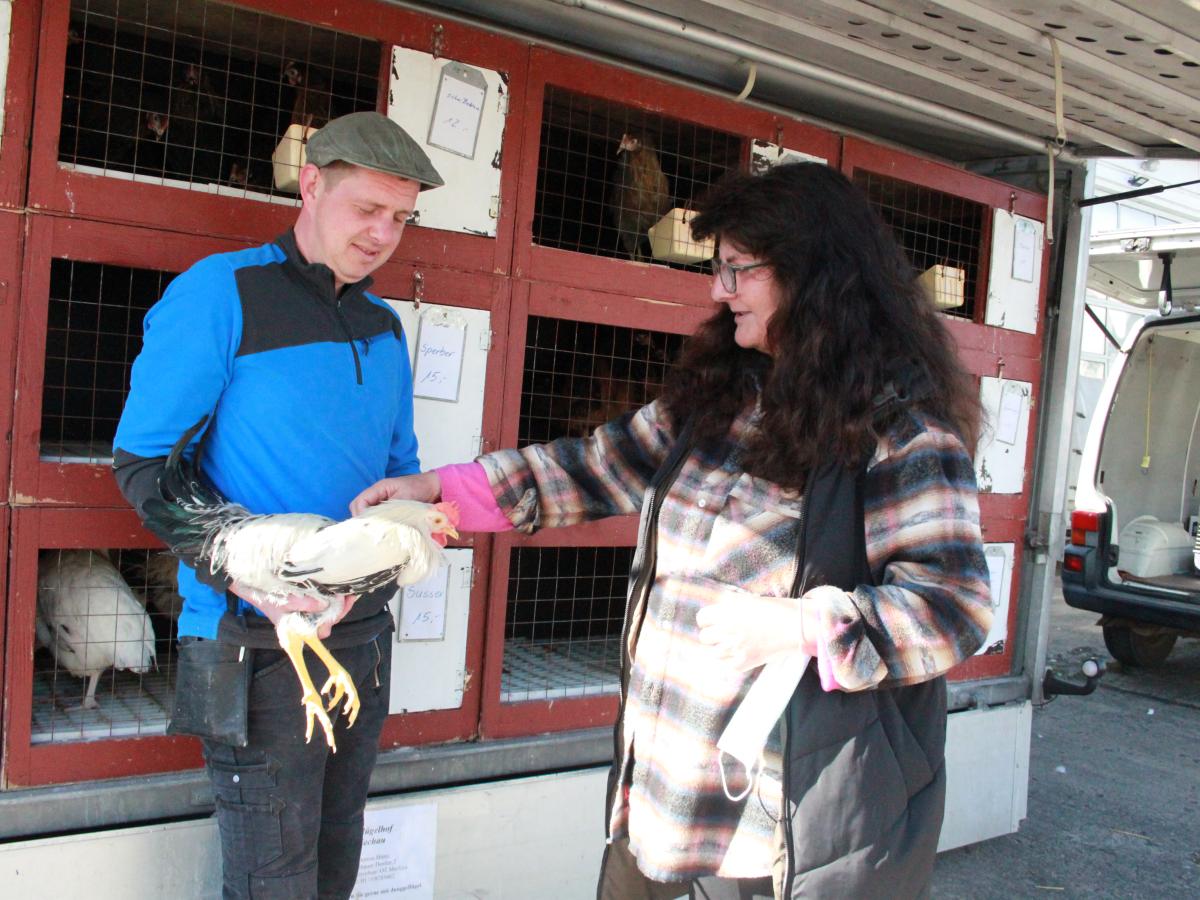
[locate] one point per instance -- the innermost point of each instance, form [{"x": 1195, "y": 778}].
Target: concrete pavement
[{"x": 1114, "y": 794}]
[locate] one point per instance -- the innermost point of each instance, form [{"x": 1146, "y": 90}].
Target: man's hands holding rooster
[{"x": 275, "y": 610}]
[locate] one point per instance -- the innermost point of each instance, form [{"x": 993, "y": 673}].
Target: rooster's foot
[
  {"x": 314, "y": 710},
  {"x": 342, "y": 685}
]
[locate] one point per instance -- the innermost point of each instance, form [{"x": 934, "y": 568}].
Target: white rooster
[
  {"x": 398, "y": 542},
  {"x": 89, "y": 618}
]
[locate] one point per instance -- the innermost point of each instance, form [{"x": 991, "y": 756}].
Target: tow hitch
[{"x": 1054, "y": 684}]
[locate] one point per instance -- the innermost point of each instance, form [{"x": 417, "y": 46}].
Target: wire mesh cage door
[
  {"x": 93, "y": 606},
  {"x": 93, "y": 335},
  {"x": 562, "y": 635},
  {"x": 557, "y": 598},
  {"x": 191, "y": 95},
  {"x": 942, "y": 216},
  {"x": 196, "y": 93},
  {"x": 579, "y": 375},
  {"x": 622, "y": 162},
  {"x": 609, "y": 172},
  {"x": 80, "y": 331},
  {"x": 942, "y": 235}
]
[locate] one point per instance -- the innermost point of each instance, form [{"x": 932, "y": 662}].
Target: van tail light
[
  {"x": 1085, "y": 528},
  {"x": 1073, "y": 562}
]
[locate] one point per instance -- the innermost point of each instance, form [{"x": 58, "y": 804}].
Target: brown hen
[{"x": 639, "y": 194}]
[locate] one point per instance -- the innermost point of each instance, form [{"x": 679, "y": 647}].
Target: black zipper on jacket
[{"x": 337, "y": 309}]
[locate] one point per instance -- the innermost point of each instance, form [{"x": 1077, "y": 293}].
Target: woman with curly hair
[{"x": 819, "y": 503}]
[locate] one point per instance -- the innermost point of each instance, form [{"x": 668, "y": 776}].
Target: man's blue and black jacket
[{"x": 310, "y": 395}]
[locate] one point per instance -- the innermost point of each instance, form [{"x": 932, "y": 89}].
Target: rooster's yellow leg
[
  {"x": 293, "y": 643},
  {"x": 339, "y": 680}
]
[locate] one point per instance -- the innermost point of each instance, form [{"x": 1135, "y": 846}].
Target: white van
[{"x": 1131, "y": 554}]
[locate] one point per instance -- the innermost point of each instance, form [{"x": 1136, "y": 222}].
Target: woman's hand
[
  {"x": 747, "y": 630},
  {"x": 426, "y": 487}
]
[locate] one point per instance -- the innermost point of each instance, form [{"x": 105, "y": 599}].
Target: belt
[{"x": 257, "y": 631}]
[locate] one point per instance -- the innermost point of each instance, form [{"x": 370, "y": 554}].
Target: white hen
[{"x": 89, "y": 618}]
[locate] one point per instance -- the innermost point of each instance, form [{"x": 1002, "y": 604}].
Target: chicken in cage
[
  {"x": 105, "y": 660},
  {"x": 608, "y": 173},
  {"x": 640, "y": 194},
  {"x": 197, "y": 92},
  {"x": 89, "y": 619}
]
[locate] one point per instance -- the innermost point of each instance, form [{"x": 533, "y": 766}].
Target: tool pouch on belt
[{"x": 212, "y": 691}]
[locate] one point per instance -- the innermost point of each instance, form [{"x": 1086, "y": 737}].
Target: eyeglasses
[{"x": 728, "y": 272}]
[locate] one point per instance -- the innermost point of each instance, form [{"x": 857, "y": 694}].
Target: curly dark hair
[{"x": 852, "y": 321}]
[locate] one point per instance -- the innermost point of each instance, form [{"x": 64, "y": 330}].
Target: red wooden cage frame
[
  {"x": 54, "y": 188},
  {"x": 94, "y": 218},
  {"x": 983, "y": 349},
  {"x": 581, "y": 270}
]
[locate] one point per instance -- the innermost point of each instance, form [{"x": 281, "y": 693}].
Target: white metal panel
[
  {"x": 430, "y": 673},
  {"x": 116, "y": 864},
  {"x": 525, "y": 839},
  {"x": 1000, "y": 569},
  {"x": 1000, "y": 457},
  {"x": 987, "y": 773},
  {"x": 1015, "y": 276},
  {"x": 450, "y": 432},
  {"x": 470, "y": 202}
]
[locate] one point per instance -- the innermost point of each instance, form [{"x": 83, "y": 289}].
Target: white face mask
[{"x": 746, "y": 734}]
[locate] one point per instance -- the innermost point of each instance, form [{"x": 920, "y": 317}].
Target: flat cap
[{"x": 373, "y": 141}]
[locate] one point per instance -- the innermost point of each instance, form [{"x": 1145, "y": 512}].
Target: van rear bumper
[{"x": 1088, "y": 590}]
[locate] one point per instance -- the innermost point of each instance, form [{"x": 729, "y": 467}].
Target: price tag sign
[
  {"x": 1024, "y": 263},
  {"x": 437, "y": 370},
  {"x": 458, "y": 109},
  {"x": 1012, "y": 402},
  {"x": 423, "y": 608}
]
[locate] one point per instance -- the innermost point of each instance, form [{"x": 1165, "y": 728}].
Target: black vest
[{"x": 864, "y": 773}]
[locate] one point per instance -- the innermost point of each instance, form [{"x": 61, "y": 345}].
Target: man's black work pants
[{"x": 291, "y": 813}]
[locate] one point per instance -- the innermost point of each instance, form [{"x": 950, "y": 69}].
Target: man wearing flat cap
[{"x": 302, "y": 380}]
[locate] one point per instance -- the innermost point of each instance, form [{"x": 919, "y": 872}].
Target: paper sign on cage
[
  {"x": 1025, "y": 248},
  {"x": 999, "y": 559},
  {"x": 423, "y": 608},
  {"x": 458, "y": 109},
  {"x": 764, "y": 155},
  {"x": 437, "y": 371}
]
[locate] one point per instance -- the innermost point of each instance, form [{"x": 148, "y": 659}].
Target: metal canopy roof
[{"x": 957, "y": 79}]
